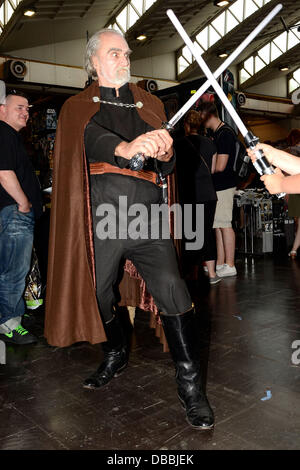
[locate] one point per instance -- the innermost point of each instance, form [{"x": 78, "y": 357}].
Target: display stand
[{"x": 260, "y": 220}]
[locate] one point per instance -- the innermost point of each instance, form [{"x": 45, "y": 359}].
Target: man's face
[
  {"x": 15, "y": 112},
  {"x": 112, "y": 61},
  {"x": 206, "y": 119}
]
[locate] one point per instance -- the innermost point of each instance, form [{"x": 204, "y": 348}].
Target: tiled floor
[{"x": 248, "y": 326}]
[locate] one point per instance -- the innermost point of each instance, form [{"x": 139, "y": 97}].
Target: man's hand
[
  {"x": 165, "y": 144},
  {"x": 10, "y": 182},
  {"x": 268, "y": 151},
  {"x": 154, "y": 144},
  {"x": 25, "y": 207},
  {"x": 273, "y": 183}
]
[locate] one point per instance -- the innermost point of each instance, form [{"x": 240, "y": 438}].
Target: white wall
[
  {"x": 162, "y": 66},
  {"x": 275, "y": 87},
  {"x": 66, "y": 75},
  {"x": 66, "y": 53},
  {"x": 72, "y": 53},
  {"x": 157, "y": 67}
]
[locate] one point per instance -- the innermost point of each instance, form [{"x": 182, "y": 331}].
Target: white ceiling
[{"x": 65, "y": 20}]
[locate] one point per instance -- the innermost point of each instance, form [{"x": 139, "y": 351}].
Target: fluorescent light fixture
[
  {"x": 283, "y": 69},
  {"x": 221, "y": 3},
  {"x": 222, "y": 55},
  {"x": 29, "y": 12},
  {"x": 141, "y": 37}
]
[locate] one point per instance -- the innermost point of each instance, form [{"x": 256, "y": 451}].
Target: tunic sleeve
[
  {"x": 100, "y": 145},
  {"x": 167, "y": 167}
]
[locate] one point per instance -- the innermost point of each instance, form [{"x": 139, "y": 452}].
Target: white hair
[{"x": 92, "y": 47}]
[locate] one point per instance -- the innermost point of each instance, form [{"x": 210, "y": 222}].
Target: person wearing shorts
[{"x": 225, "y": 184}]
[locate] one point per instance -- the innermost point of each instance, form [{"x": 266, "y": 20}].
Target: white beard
[{"x": 118, "y": 80}]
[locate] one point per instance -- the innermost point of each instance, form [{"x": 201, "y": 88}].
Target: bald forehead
[
  {"x": 112, "y": 41},
  {"x": 18, "y": 100}
]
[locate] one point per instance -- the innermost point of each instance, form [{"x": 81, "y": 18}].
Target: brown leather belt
[{"x": 100, "y": 168}]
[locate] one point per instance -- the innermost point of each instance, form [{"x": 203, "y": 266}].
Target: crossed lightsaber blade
[{"x": 261, "y": 164}]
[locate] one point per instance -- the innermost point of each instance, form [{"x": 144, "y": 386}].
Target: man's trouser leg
[
  {"x": 16, "y": 240},
  {"x": 108, "y": 255},
  {"x": 157, "y": 264}
]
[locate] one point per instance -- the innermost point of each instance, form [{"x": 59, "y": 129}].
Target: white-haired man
[{"x": 110, "y": 136}]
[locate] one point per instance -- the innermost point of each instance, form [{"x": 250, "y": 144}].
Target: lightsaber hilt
[
  {"x": 137, "y": 164},
  {"x": 261, "y": 164}
]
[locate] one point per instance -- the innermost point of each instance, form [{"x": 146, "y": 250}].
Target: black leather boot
[
  {"x": 180, "y": 333},
  {"x": 115, "y": 357}
]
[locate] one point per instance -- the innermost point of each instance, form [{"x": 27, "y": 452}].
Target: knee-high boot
[
  {"x": 115, "y": 356},
  {"x": 181, "y": 337}
]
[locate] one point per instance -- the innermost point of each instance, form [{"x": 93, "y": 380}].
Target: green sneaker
[{"x": 18, "y": 336}]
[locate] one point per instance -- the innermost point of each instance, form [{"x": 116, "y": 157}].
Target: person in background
[
  {"x": 293, "y": 141},
  {"x": 225, "y": 184},
  {"x": 20, "y": 204},
  {"x": 196, "y": 160}
]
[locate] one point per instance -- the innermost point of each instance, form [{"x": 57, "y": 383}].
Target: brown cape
[{"x": 72, "y": 313}]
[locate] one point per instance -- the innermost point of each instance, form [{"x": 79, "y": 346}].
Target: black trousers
[
  {"x": 209, "y": 250},
  {"x": 155, "y": 261}
]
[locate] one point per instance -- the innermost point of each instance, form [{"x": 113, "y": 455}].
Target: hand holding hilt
[
  {"x": 261, "y": 164},
  {"x": 137, "y": 162}
]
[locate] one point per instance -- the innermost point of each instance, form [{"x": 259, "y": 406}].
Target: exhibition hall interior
[{"x": 117, "y": 116}]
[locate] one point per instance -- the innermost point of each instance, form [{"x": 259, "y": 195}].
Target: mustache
[{"x": 127, "y": 69}]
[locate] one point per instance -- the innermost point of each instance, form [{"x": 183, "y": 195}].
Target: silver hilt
[
  {"x": 137, "y": 162},
  {"x": 261, "y": 164}
]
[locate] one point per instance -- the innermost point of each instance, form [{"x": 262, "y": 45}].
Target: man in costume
[{"x": 107, "y": 125}]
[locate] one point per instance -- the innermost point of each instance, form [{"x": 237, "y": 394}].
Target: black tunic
[
  {"x": 107, "y": 128},
  {"x": 154, "y": 258}
]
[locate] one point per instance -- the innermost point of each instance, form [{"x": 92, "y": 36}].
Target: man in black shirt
[
  {"x": 225, "y": 184},
  {"x": 20, "y": 203},
  {"x": 112, "y": 137},
  {"x": 196, "y": 161}
]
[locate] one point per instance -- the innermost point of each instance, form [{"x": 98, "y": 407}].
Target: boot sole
[
  {"x": 199, "y": 428},
  {"x": 116, "y": 374}
]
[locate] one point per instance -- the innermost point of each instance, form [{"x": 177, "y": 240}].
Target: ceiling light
[
  {"x": 223, "y": 55},
  {"x": 283, "y": 69},
  {"x": 221, "y": 3},
  {"x": 141, "y": 37},
  {"x": 29, "y": 12}
]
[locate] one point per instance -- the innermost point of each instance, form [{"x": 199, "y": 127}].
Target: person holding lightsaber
[
  {"x": 290, "y": 164},
  {"x": 77, "y": 138},
  {"x": 106, "y": 125}
]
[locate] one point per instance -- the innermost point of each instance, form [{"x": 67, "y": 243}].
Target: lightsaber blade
[
  {"x": 224, "y": 65},
  {"x": 261, "y": 164}
]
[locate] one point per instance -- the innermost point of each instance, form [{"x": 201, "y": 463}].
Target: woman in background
[{"x": 196, "y": 160}]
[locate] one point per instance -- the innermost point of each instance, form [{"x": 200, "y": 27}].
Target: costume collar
[{"x": 125, "y": 94}]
